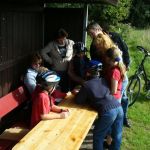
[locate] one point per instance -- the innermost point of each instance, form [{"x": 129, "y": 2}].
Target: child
[
  {"x": 77, "y": 65},
  {"x": 32, "y": 71},
  {"x": 115, "y": 72},
  {"x": 95, "y": 92},
  {"x": 42, "y": 101}
]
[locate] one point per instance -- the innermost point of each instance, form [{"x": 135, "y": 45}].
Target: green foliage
[
  {"x": 140, "y": 13},
  {"x": 110, "y": 14}
]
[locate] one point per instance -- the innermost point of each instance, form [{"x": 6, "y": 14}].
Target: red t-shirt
[
  {"x": 40, "y": 105},
  {"x": 114, "y": 73}
]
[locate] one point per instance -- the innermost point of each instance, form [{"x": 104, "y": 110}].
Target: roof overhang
[{"x": 113, "y": 2}]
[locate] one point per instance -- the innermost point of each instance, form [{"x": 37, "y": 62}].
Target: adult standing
[
  {"x": 101, "y": 42},
  {"x": 57, "y": 54}
]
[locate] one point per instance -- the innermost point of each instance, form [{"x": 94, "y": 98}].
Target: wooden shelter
[{"x": 26, "y": 26}]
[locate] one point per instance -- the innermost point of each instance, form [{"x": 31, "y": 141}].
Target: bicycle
[{"x": 134, "y": 86}]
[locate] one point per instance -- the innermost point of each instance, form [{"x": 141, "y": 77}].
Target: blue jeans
[
  {"x": 111, "y": 119},
  {"x": 124, "y": 100}
]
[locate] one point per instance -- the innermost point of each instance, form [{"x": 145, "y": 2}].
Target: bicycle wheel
[{"x": 133, "y": 89}]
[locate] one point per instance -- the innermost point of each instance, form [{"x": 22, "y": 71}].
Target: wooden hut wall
[
  {"x": 21, "y": 33},
  {"x": 69, "y": 19}
]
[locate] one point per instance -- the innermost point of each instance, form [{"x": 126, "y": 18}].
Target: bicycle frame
[
  {"x": 134, "y": 87},
  {"x": 141, "y": 71}
]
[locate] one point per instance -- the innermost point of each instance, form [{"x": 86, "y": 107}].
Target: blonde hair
[
  {"x": 103, "y": 42},
  {"x": 115, "y": 55}
]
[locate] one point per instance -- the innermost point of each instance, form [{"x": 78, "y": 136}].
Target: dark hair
[
  {"x": 61, "y": 33},
  {"x": 79, "y": 47},
  {"x": 36, "y": 57}
]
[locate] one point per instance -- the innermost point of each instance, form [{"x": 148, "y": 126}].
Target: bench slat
[
  {"x": 14, "y": 134},
  {"x": 11, "y": 101}
]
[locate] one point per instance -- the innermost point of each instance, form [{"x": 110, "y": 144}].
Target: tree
[
  {"x": 140, "y": 13},
  {"x": 110, "y": 14}
]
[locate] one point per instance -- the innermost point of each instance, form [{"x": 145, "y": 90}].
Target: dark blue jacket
[
  {"x": 117, "y": 39},
  {"x": 95, "y": 92}
]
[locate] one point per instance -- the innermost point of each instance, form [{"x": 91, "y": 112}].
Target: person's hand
[
  {"x": 42, "y": 69},
  {"x": 65, "y": 110},
  {"x": 68, "y": 93},
  {"x": 64, "y": 115}
]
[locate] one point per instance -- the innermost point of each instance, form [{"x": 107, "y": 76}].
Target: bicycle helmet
[
  {"x": 79, "y": 47},
  {"x": 48, "y": 78},
  {"x": 94, "y": 65}
]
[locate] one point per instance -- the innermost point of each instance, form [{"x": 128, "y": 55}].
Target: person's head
[
  {"x": 114, "y": 58},
  {"x": 79, "y": 49},
  {"x": 48, "y": 80},
  {"x": 61, "y": 36},
  {"x": 93, "y": 69},
  {"x": 36, "y": 61},
  {"x": 93, "y": 29}
]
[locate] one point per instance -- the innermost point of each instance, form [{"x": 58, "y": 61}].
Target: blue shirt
[{"x": 30, "y": 79}]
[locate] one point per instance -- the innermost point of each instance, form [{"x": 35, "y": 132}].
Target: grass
[{"x": 138, "y": 136}]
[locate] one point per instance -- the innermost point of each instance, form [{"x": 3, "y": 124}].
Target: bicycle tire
[{"x": 133, "y": 90}]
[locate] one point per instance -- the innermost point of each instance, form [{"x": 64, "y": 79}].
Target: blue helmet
[
  {"x": 94, "y": 65},
  {"x": 79, "y": 47},
  {"x": 48, "y": 78}
]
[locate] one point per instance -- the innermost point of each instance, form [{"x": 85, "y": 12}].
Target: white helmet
[{"x": 48, "y": 78}]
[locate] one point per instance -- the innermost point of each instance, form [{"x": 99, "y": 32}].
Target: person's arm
[
  {"x": 45, "y": 51},
  {"x": 114, "y": 86},
  {"x": 73, "y": 75},
  {"x": 30, "y": 82},
  {"x": 116, "y": 76},
  {"x": 82, "y": 96},
  {"x": 69, "y": 52},
  {"x": 54, "y": 115},
  {"x": 58, "y": 109}
]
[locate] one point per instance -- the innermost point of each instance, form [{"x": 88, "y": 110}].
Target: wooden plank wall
[
  {"x": 69, "y": 19},
  {"x": 21, "y": 33}
]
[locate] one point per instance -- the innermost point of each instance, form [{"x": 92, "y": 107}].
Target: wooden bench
[
  {"x": 8, "y": 104},
  {"x": 60, "y": 134}
]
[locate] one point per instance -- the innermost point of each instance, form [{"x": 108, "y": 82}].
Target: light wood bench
[{"x": 60, "y": 134}]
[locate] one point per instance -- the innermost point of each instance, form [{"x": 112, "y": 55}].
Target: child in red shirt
[
  {"x": 114, "y": 73},
  {"x": 43, "y": 102}
]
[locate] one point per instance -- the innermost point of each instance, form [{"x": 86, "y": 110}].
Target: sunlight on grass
[{"x": 138, "y": 137}]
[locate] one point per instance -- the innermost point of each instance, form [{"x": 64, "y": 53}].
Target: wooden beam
[{"x": 112, "y": 2}]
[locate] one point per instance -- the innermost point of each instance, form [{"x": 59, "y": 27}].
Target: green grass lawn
[{"x": 138, "y": 136}]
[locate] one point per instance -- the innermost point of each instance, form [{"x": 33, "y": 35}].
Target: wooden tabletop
[{"x": 60, "y": 134}]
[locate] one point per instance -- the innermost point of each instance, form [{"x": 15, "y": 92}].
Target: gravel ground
[{"x": 87, "y": 143}]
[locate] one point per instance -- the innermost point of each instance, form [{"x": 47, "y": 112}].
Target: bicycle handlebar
[{"x": 143, "y": 50}]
